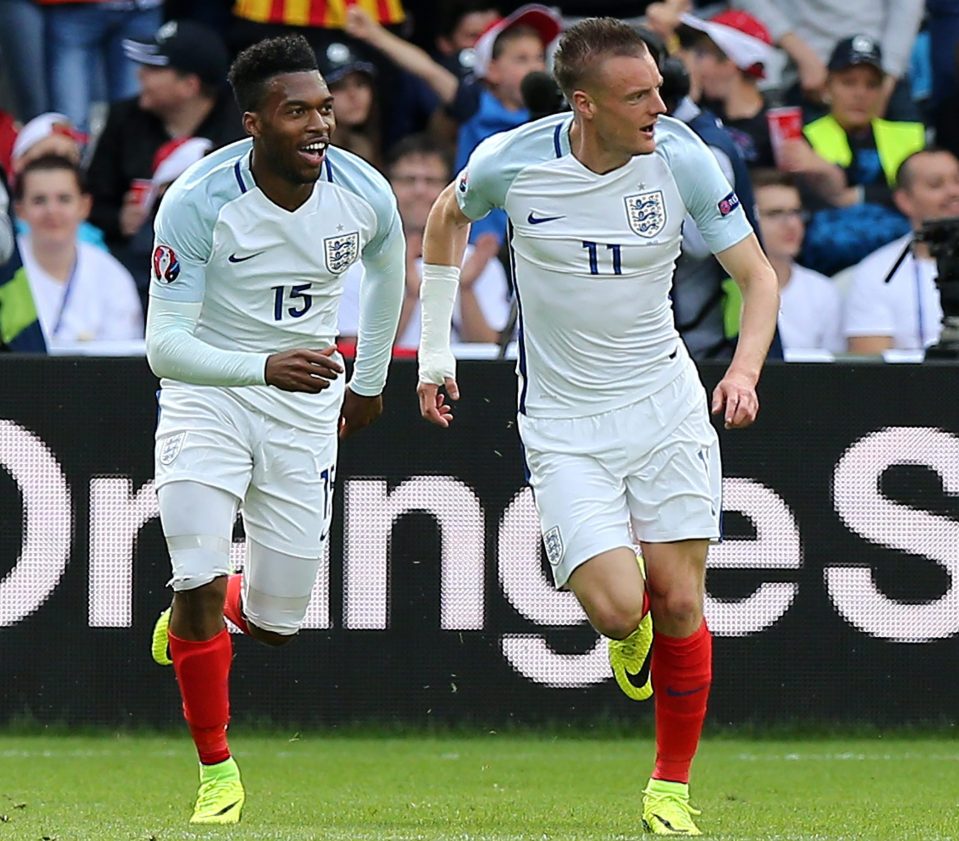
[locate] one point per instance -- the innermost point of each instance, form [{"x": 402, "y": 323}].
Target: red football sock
[
  {"x": 682, "y": 671},
  {"x": 232, "y": 607},
  {"x": 203, "y": 672}
]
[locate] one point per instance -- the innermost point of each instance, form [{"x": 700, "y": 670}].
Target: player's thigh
[
  {"x": 676, "y": 576},
  {"x": 277, "y": 588},
  {"x": 289, "y": 504},
  {"x": 203, "y": 435},
  {"x": 609, "y": 586},
  {"x": 578, "y": 489},
  {"x": 197, "y": 522},
  {"x": 675, "y": 491}
]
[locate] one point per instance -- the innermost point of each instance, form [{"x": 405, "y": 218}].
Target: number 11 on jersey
[{"x": 593, "y": 249}]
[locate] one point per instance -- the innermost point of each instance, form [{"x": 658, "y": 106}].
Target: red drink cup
[
  {"x": 784, "y": 124},
  {"x": 142, "y": 190}
]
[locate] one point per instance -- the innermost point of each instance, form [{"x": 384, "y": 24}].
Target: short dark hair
[
  {"x": 48, "y": 163},
  {"x": 769, "y": 177},
  {"x": 420, "y": 144},
  {"x": 905, "y": 176},
  {"x": 510, "y": 34},
  {"x": 253, "y": 68},
  {"x": 585, "y": 44}
]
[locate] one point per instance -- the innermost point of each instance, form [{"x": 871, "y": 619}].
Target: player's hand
[
  {"x": 303, "y": 370},
  {"x": 433, "y": 405},
  {"x": 358, "y": 412},
  {"x": 735, "y": 397}
]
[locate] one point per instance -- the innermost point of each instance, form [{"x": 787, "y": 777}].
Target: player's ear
[
  {"x": 251, "y": 124},
  {"x": 583, "y": 104}
]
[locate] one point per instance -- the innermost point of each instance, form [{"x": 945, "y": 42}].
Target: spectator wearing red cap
[
  {"x": 728, "y": 57},
  {"x": 183, "y": 93},
  {"x": 507, "y": 51}
]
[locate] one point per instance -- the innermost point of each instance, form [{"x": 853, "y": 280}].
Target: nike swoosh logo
[
  {"x": 539, "y": 220},
  {"x": 234, "y": 259},
  {"x": 677, "y": 693},
  {"x": 226, "y": 809},
  {"x": 641, "y": 678}
]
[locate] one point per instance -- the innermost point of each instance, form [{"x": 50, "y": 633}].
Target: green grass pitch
[{"x": 490, "y": 787}]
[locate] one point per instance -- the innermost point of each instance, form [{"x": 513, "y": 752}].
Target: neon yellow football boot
[
  {"x": 221, "y": 796},
  {"x": 161, "y": 640},
  {"x": 666, "y": 809},
  {"x": 629, "y": 658}
]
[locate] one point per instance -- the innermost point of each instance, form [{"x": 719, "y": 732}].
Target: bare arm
[
  {"x": 444, "y": 244},
  {"x": 408, "y": 56},
  {"x": 447, "y": 229},
  {"x": 735, "y": 395}
]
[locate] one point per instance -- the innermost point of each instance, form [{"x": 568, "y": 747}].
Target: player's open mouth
[
  {"x": 314, "y": 152},
  {"x": 648, "y": 130}
]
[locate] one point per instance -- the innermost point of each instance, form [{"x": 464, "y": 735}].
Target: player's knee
[
  {"x": 681, "y": 610},
  {"x": 200, "y": 610},
  {"x": 615, "y": 621},
  {"x": 271, "y": 638}
]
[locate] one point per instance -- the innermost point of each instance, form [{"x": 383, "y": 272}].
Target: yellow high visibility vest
[{"x": 895, "y": 141}]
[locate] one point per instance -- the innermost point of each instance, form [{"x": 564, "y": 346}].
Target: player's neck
[
  {"x": 57, "y": 259},
  {"x": 589, "y": 151},
  {"x": 279, "y": 190}
]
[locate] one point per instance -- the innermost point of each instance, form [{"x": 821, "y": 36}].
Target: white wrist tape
[{"x": 437, "y": 296}]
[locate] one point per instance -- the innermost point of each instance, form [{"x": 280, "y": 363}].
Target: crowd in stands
[{"x": 836, "y": 121}]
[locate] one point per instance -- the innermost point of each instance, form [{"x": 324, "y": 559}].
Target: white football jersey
[
  {"x": 593, "y": 258},
  {"x": 269, "y": 279}
]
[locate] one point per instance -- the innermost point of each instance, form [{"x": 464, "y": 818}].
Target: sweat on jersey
[
  {"x": 270, "y": 279},
  {"x": 593, "y": 258}
]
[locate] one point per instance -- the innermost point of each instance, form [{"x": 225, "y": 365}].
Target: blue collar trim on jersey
[
  {"x": 556, "y": 134},
  {"x": 239, "y": 177},
  {"x": 329, "y": 169}
]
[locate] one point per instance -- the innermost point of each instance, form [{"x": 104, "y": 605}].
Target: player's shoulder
[
  {"x": 675, "y": 139},
  {"x": 529, "y": 144},
  {"x": 359, "y": 177},
  {"x": 211, "y": 182}
]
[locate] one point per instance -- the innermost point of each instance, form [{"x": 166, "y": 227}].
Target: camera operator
[{"x": 893, "y": 301}]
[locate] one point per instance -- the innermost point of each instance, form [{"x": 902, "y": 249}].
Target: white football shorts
[
  {"x": 647, "y": 472},
  {"x": 282, "y": 474}
]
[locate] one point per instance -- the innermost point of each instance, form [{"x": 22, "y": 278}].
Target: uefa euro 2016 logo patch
[
  {"x": 728, "y": 204},
  {"x": 166, "y": 267},
  {"x": 646, "y": 213},
  {"x": 341, "y": 252}
]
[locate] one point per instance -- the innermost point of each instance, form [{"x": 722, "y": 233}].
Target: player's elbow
[{"x": 156, "y": 357}]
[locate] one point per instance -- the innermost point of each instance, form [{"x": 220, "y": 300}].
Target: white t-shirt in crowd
[
  {"x": 491, "y": 290},
  {"x": 98, "y": 303},
  {"x": 906, "y": 308},
  {"x": 810, "y": 313}
]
